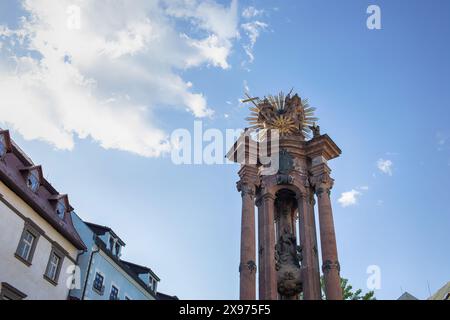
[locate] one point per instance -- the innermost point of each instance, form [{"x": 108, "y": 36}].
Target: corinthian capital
[
  {"x": 246, "y": 188},
  {"x": 322, "y": 183}
]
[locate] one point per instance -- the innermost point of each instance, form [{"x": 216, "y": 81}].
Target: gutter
[{"x": 88, "y": 271}]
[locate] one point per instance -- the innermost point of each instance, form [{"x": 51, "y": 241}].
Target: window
[
  {"x": 117, "y": 248},
  {"x": 111, "y": 243},
  {"x": 114, "y": 293},
  {"x": 8, "y": 292},
  {"x": 53, "y": 266},
  {"x": 33, "y": 180},
  {"x": 60, "y": 209},
  {"x": 98, "y": 283},
  {"x": 2, "y": 145},
  {"x": 27, "y": 244}
]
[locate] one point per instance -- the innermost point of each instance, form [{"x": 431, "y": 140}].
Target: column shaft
[
  {"x": 330, "y": 262},
  {"x": 247, "y": 266},
  {"x": 271, "y": 291},
  {"x": 261, "y": 249},
  {"x": 308, "y": 242}
]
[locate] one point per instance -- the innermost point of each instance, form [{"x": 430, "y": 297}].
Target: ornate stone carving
[
  {"x": 285, "y": 179},
  {"x": 328, "y": 265},
  {"x": 315, "y": 130},
  {"x": 251, "y": 265},
  {"x": 288, "y": 257},
  {"x": 322, "y": 183},
  {"x": 245, "y": 188},
  {"x": 286, "y": 162}
]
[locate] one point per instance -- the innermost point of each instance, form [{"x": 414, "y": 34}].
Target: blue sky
[{"x": 99, "y": 124}]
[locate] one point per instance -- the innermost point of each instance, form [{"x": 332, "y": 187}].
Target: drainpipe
[{"x": 88, "y": 270}]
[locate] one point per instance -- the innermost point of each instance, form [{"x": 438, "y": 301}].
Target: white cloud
[
  {"x": 349, "y": 198},
  {"x": 385, "y": 166},
  {"x": 106, "y": 79},
  {"x": 365, "y": 188},
  {"x": 252, "y": 30},
  {"x": 251, "y": 12},
  {"x": 246, "y": 87}
]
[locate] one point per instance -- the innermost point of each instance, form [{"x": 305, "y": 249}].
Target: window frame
[
  {"x": 31, "y": 228},
  {"x": 33, "y": 173},
  {"x": 110, "y": 292},
  {"x": 59, "y": 254},
  {"x": 3, "y": 147},
  {"x": 10, "y": 292},
  {"x": 100, "y": 291},
  {"x": 5, "y": 141},
  {"x": 61, "y": 204}
]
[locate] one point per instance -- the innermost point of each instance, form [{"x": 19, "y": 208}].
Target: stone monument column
[
  {"x": 247, "y": 266},
  {"x": 330, "y": 263},
  {"x": 283, "y": 158},
  {"x": 308, "y": 242},
  {"x": 266, "y": 252},
  {"x": 261, "y": 260}
]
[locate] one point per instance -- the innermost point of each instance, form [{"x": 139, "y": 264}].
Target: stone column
[
  {"x": 261, "y": 260},
  {"x": 308, "y": 243},
  {"x": 330, "y": 263},
  {"x": 247, "y": 266},
  {"x": 270, "y": 274}
]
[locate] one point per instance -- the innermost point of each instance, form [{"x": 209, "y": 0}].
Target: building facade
[
  {"x": 39, "y": 244},
  {"x": 103, "y": 274},
  {"x": 48, "y": 252}
]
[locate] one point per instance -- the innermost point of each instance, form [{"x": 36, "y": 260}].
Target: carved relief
[
  {"x": 286, "y": 162},
  {"x": 285, "y": 179},
  {"x": 328, "y": 265}
]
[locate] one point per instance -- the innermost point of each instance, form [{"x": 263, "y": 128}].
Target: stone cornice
[{"x": 323, "y": 146}]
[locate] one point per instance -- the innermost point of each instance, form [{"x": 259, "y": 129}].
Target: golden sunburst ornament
[
  {"x": 290, "y": 115},
  {"x": 285, "y": 125}
]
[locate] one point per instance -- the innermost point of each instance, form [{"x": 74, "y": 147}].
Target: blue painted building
[{"x": 103, "y": 274}]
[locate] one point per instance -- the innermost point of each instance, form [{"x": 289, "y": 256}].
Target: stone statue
[{"x": 288, "y": 256}]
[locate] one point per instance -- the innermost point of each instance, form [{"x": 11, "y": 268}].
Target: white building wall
[{"x": 29, "y": 279}]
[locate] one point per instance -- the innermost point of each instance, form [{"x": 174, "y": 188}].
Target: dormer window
[
  {"x": 153, "y": 284},
  {"x": 5, "y": 143},
  {"x": 33, "y": 177},
  {"x": 33, "y": 180},
  {"x": 61, "y": 209},
  {"x": 2, "y": 146},
  {"x": 60, "y": 203},
  {"x": 117, "y": 249},
  {"x": 111, "y": 244}
]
